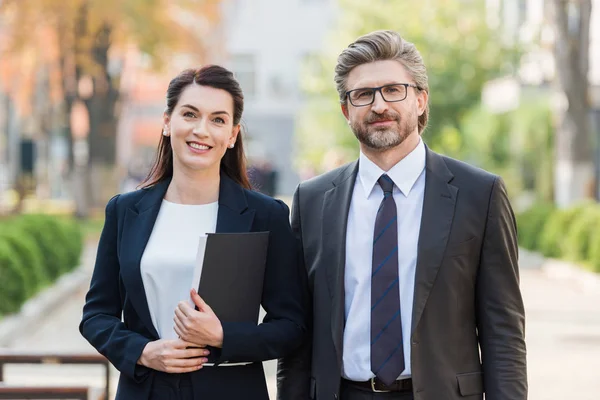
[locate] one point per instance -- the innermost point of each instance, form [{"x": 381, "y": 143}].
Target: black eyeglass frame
[{"x": 378, "y": 89}]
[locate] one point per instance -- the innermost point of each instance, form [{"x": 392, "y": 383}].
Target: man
[{"x": 411, "y": 256}]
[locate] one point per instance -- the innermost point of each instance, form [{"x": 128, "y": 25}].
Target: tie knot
[{"x": 386, "y": 183}]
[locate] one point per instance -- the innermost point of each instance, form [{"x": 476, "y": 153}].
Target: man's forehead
[{"x": 377, "y": 73}]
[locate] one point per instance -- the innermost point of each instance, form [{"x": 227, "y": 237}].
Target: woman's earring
[
  {"x": 231, "y": 145},
  {"x": 165, "y": 133}
]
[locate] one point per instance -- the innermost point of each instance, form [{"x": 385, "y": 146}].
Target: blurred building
[{"x": 266, "y": 42}]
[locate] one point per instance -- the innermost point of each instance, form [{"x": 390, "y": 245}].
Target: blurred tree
[
  {"x": 90, "y": 39},
  {"x": 460, "y": 52},
  {"x": 575, "y": 172},
  {"x": 518, "y": 145}
]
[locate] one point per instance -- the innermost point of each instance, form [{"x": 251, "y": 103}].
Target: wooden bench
[
  {"x": 19, "y": 392},
  {"x": 22, "y": 357}
]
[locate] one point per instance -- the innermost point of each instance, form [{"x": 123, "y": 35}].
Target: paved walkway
[{"x": 563, "y": 339}]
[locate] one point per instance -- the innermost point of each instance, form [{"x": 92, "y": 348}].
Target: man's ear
[
  {"x": 422, "y": 100},
  {"x": 344, "y": 107}
]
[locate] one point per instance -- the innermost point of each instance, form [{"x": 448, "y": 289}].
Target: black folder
[{"x": 233, "y": 269}]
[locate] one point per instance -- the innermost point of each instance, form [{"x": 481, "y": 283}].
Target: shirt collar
[{"x": 404, "y": 174}]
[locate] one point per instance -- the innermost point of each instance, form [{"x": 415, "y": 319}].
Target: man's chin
[{"x": 381, "y": 144}]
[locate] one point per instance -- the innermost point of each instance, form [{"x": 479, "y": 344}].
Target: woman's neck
[{"x": 194, "y": 187}]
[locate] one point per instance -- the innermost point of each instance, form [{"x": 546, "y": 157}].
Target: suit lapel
[
  {"x": 139, "y": 222},
  {"x": 234, "y": 214},
  {"x": 436, "y": 221},
  {"x": 336, "y": 205}
]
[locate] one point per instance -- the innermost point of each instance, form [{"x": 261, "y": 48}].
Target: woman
[{"x": 148, "y": 248}]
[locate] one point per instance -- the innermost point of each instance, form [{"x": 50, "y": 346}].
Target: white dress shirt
[
  {"x": 168, "y": 262},
  {"x": 409, "y": 179}
]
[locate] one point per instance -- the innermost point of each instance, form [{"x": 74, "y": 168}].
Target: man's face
[{"x": 383, "y": 125}]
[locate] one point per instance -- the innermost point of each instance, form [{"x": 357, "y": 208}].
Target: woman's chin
[{"x": 201, "y": 165}]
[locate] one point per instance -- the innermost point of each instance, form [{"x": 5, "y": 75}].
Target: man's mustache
[{"x": 387, "y": 116}]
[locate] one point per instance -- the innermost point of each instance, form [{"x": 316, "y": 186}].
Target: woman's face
[{"x": 201, "y": 128}]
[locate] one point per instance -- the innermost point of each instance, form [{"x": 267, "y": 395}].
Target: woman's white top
[{"x": 168, "y": 262}]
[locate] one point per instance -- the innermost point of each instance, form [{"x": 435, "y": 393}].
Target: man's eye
[{"x": 366, "y": 93}]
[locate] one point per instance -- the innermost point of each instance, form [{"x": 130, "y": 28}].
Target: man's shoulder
[
  {"x": 325, "y": 181},
  {"x": 466, "y": 172}
]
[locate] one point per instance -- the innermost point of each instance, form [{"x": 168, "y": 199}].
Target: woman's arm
[
  {"x": 101, "y": 324},
  {"x": 285, "y": 300}
]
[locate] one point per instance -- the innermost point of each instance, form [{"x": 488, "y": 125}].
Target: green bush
[
  {"x": 531, "y": 222},
  {"x": 13, "y": 278},
  {"x": 34, "y": 251},
  {"x": 75, "y": 243},
  {"x": 594, "y": 251},
  {"x": 579, "y": 234},
  {"x": 51, "y": 241},
  {"x": 29, "y": 257},
  {"x": 551, "y": 241}
]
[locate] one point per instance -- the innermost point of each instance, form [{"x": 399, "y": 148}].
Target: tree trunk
[
  {"x": 102, "y": 108},
  {"x": 574, "y": 167},
  {"x": 71, "y": 48}
]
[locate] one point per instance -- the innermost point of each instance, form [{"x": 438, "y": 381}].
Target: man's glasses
[{"x": 390, "y": 93}]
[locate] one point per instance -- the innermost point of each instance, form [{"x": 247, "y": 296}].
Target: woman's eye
[
  {"x": 189, "y": 114},
  {"x": 219, "y": 120}
]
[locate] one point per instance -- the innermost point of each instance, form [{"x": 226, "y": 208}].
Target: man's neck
[{"x": 388, "y": 158}]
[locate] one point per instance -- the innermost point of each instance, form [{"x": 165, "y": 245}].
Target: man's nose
[{"x": 379, "y": 104}]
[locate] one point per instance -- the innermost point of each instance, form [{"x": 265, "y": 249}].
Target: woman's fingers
[
  {"x": 187, "y": 362},
  {"x": 179, "y": 315},
  {"x": 190, "y": 353},
  {"x": 178, "y": 330}
]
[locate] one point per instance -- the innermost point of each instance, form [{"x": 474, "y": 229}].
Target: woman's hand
[
  {"x": 202, "y": 327},
  {"x": 173, "y": 356}
]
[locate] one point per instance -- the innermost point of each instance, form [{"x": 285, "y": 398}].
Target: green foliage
[
  {"x": 518, "y": 145},
  {"x": 28, "y": 255},
  {"x": 531, "y": 222},
  {"x": 50, "y": 241},
  {"x": 579, "y": 235},
  {"x": 73, "y": 235},
  {"x": 460, "y": 51},
  {"x": 594, "y": 251},
  {"x": 13, "y": 278},
  {"x": 34, "y": 251},
  {"x": 552, "y": 239}
]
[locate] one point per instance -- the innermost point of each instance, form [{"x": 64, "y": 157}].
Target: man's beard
[{"x": 384, "y": 138}]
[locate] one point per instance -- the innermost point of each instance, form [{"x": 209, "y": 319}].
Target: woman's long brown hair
[{"x": 233, "y": 163}]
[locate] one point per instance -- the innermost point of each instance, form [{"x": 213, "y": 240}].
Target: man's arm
[
  {"x": 500, "y": 311},
  {"x": 293, "y": 371}
]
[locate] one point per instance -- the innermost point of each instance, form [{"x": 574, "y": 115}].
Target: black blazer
[
  {"x": 466, "y": 289},
  {"x": 117, "y": 290}
]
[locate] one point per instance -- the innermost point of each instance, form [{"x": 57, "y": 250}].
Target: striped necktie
[{"x": 387, "y": 354}]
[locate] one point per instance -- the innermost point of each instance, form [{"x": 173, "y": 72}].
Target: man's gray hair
[{"x": 380, "y": 46}]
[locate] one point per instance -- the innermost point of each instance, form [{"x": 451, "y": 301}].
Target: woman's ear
[
  {"x": 234, "y": 134},
  {"x": 166, "y": 125}
]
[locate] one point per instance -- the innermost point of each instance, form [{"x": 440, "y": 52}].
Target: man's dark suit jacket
[
  {"x": 466, "y": 300},
  {"x": 117, "y": 288}
]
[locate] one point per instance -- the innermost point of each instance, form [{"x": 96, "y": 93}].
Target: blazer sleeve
[
  {"x": 293, "y": 371},
  {"x": 499, "y": 305},
  {"x": 284, "y": 300},
  {"x": 101, "y": 324}
]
